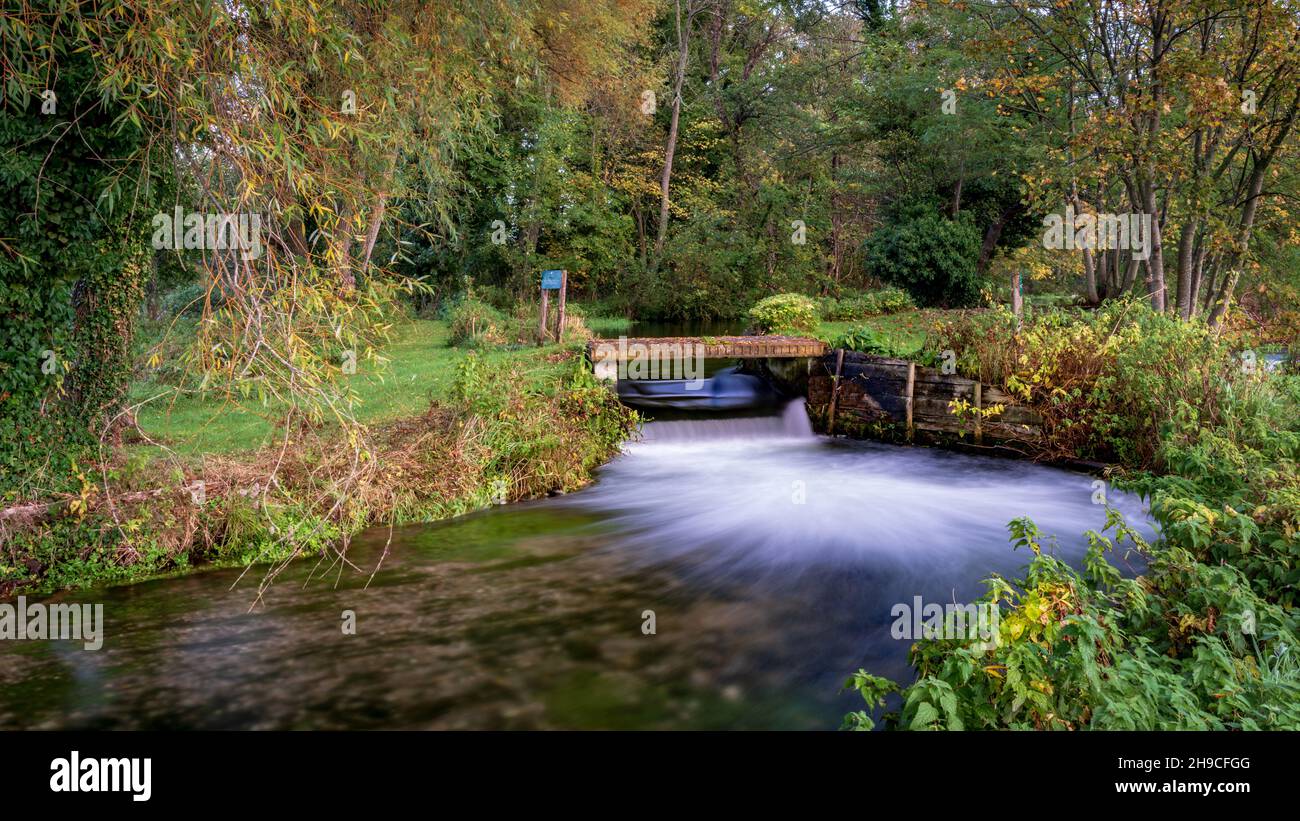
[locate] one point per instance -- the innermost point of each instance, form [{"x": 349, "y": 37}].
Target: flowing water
[{"x": 770, "y": 557}]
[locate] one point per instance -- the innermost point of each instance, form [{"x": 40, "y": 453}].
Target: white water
[
  {"x": 792, "y": 423},
  {"x": 766, "y": 494}
]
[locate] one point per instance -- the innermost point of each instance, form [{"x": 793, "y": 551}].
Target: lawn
[
  {"x": 905, "y": 331},
  {"x": 420, "y": 369}
]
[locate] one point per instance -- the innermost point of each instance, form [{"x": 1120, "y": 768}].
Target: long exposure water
[{"x": 770, "y": 557}]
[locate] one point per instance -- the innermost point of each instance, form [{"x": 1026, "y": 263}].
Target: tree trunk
[
  {"x": 956, "y": 191},
  {"x": 1198, "y": 268},
  {"x": 1130, "y": 274},
  {"x": 1089, "y": 263},
  {"x": 377, "y": 215},
  {"x": 991, "y": 237},
  {"x": 1156, "y": 260},
  {"x": 1238, "y": 252},
  {"x": 1210, "y": 281},
  {"x": 1017, "y": 302},
  {"x": 372, "y": 232},
  {"x": 1186, "y": 267},
  {"x": 670, "y": 150}
]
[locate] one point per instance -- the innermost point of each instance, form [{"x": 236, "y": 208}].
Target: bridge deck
[{"x": 709, "y": 347}]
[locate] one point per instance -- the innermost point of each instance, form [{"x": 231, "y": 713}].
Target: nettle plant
[{"x": 1185, "y": 646}]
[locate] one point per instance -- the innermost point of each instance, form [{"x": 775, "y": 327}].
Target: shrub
[
  {"x": 863, "y": 306},
  {"x": 1108, "y": 384},
  {"x": 189, "y": 300},
  {"x": 784, "y": 314},
  {"x": 537, "y": 439},
  {"x": 865, "y": 339},
  {"x": 1187, "y": 647},
  {"x": 475, "y": 324},
  {"x": 931, "y": 256}
]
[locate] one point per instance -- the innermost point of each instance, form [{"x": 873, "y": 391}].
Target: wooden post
[
  {"x": 835, "y": 391},
  {"x": 541, "y": 326},
  {"x": 979, "y": 417},
  {"x": 911, "y": 388},
  {"x": 564, "y": 290}
]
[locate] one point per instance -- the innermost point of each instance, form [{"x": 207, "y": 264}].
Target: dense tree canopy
[{"x": 678, "y": 157}]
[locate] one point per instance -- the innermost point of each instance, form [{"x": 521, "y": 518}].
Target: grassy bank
[{"x": 446, "y": 430}]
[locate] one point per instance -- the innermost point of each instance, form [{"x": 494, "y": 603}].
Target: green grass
[
  {"x": 606, "y": 326},
  {"x": 420, "y": 369},
  {"x": 905, "y": 331}
]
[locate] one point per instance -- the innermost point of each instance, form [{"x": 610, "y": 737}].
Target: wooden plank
[{"x": 725, "y": 347}]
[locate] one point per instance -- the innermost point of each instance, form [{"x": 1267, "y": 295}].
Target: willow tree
[{"x": 305, "y": 118}]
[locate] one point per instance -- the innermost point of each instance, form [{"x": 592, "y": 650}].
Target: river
[{"x": 770, "y": 558}]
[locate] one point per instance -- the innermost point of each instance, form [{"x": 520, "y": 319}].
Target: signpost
[{"x": 552, "y": 280}]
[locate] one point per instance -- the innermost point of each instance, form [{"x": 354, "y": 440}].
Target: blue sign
[{"x": 551, "y": 280}]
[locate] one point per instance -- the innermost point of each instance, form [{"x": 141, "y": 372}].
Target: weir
[{"x": 846, "y": 392}]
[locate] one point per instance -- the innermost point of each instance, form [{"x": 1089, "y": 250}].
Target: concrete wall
[{"x": 876, "y": 399}]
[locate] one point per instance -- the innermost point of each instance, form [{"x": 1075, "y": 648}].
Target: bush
[
  {"x": 189, "y": 300},
  {"x": 931, "y": 256},
  {"x": 475, "y": 324},
  {"x": 865, "y": 339},
  {"x": 791, "y": 314},
  {"x": 1108, "y": 383},
  {"x": 1205, "y": 638},
  {"x": 863, "y": 306},
  {"x": 1186, "y": 647},
  {"x": 535, "y": 439}
]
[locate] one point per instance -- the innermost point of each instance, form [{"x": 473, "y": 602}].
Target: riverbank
[
  {"x": 204, "y": 482},
  {"x": 1204, "y": 638}
]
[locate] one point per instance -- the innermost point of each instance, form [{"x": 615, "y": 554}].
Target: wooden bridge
[{"x": 704, "y": 347}]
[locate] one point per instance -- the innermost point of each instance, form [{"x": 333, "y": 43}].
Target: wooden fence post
[
  {"x": 835, "y": 391},
  {"x": 911, "y": 388},
  {"x": 541, "y": 325},
  {"x": 564, "y": 290}
]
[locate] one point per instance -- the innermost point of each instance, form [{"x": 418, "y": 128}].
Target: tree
[
  {"x": 1173, "y": 110},
  {"x": 682, "y": 27}
]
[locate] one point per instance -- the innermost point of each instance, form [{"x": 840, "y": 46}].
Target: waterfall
[{"x": 791, "y": 423}]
